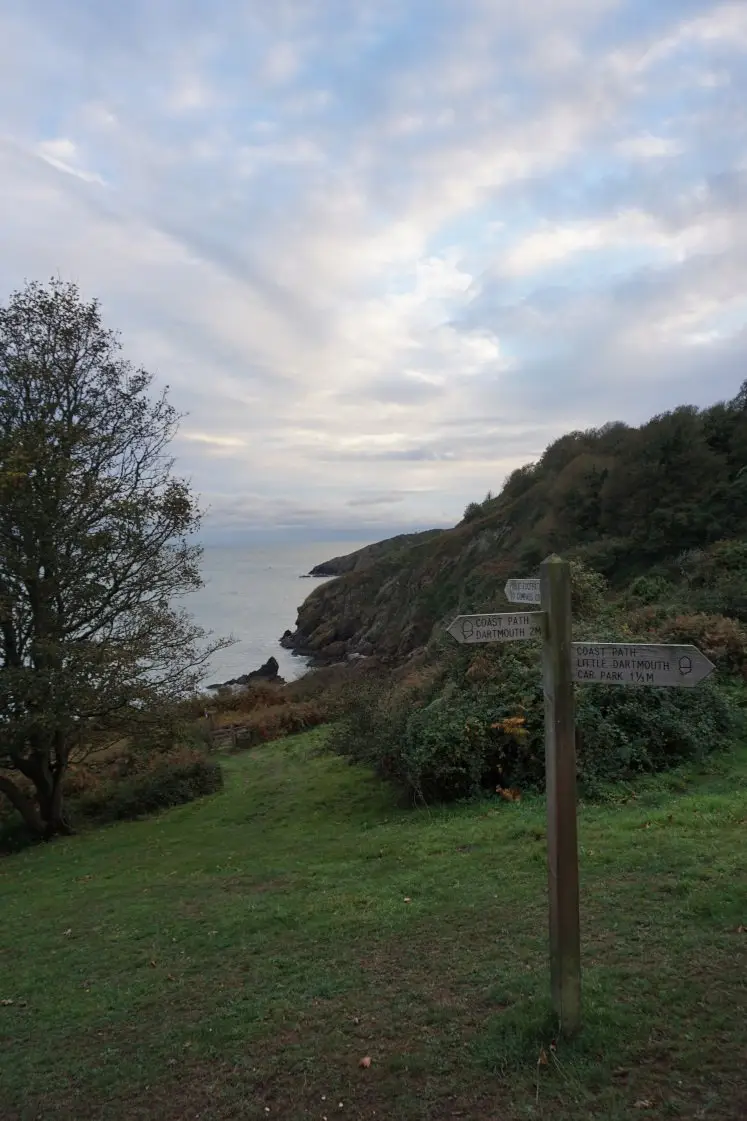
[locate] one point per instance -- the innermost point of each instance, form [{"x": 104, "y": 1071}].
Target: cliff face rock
[{"x": 389, "y": 604}]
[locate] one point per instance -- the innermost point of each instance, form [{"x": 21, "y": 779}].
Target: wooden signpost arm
[{"x": 560, "y": 757}]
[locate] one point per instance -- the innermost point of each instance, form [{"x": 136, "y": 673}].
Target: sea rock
[
  {"x": 267, "y": 672},
  {"x": 269, "y": 669}
]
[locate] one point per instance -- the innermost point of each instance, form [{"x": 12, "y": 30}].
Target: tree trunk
[
  {"x": 26, "y": 807},
  {"x": 51, "y": 806},
  {"x": 45, "y": 818}
]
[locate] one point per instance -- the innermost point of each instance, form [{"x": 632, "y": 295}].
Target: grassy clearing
[{"x": 235, "y": 958}]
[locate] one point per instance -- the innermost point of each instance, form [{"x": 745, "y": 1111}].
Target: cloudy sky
[{"x": 384, "y": 251}]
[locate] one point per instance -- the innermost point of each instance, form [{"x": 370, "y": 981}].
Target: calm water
[{"x": 253, "y": 592}]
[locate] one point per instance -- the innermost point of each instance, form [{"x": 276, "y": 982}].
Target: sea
[{"x": 253, "y": 593}]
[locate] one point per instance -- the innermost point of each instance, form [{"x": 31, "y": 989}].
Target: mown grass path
[{"x": 237, "y": 957}]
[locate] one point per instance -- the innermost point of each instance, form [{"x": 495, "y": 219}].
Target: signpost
[
  {"x": 506, "y": 627},
  {"x": 522, "y": 591},
  {"x": 565, "y": 663}
]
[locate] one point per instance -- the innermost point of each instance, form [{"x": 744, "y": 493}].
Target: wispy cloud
[{"x": 383, "y": 252}]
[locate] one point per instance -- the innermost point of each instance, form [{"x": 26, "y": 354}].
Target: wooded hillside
[{"x": 626, "y": 501}]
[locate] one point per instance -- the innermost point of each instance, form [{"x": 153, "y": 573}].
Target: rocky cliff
[{"x": 389, "y": 605}]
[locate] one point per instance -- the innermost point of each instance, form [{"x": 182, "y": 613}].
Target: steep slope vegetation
[
  {"x": 625, "y": 500},
  {"x": 362, "y": 558}
]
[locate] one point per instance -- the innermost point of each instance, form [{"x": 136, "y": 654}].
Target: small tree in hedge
[{"x": 93, "y": 548}]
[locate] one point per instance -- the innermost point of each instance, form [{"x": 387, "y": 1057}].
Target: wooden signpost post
[
  {"x": 560, "y": 785},
  {"x": 565, "y": 662}
]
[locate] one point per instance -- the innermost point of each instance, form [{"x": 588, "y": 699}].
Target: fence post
[
  {"x": 560, "y": 771},
  {"x": 210, "y": 717}
]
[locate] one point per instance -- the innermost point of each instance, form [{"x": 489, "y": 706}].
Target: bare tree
[{"x": 94, "y": 548}]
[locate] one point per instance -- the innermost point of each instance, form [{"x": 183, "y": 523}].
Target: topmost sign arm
[{"x": 522, "y": 591}]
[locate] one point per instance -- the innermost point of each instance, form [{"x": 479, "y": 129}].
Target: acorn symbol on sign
[
  {"x": 686, "y": 665},
  {"x": 468, "y": 628}
]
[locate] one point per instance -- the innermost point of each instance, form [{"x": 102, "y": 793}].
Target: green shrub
[
  {"x": 374, "y": 724},
  {"x": 530, "y": 551},
  {"x": 612, "y": 556},
  {"x": 126, "y": 787},
  {"x": 649, "y": 590},
  {"x": 449, "y": 748},
  {"x": 484, "y": 728},
  {"x": 588, "y": 591},
  {"x": 169, "y": 781},
  {"x": 717, "y": 578},
  {"x": 624, "y": 731},
  {"x": 456, "y": 749},
  {"x": 14, "y": 835},
  {"x": 444, "y": 738},
  {"x": 472, "y": 511}
]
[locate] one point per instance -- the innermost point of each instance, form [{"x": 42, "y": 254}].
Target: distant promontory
[{"x": 369, "y": 554}]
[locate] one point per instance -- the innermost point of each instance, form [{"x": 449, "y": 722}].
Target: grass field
[{"x": 237, "y": 957}]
